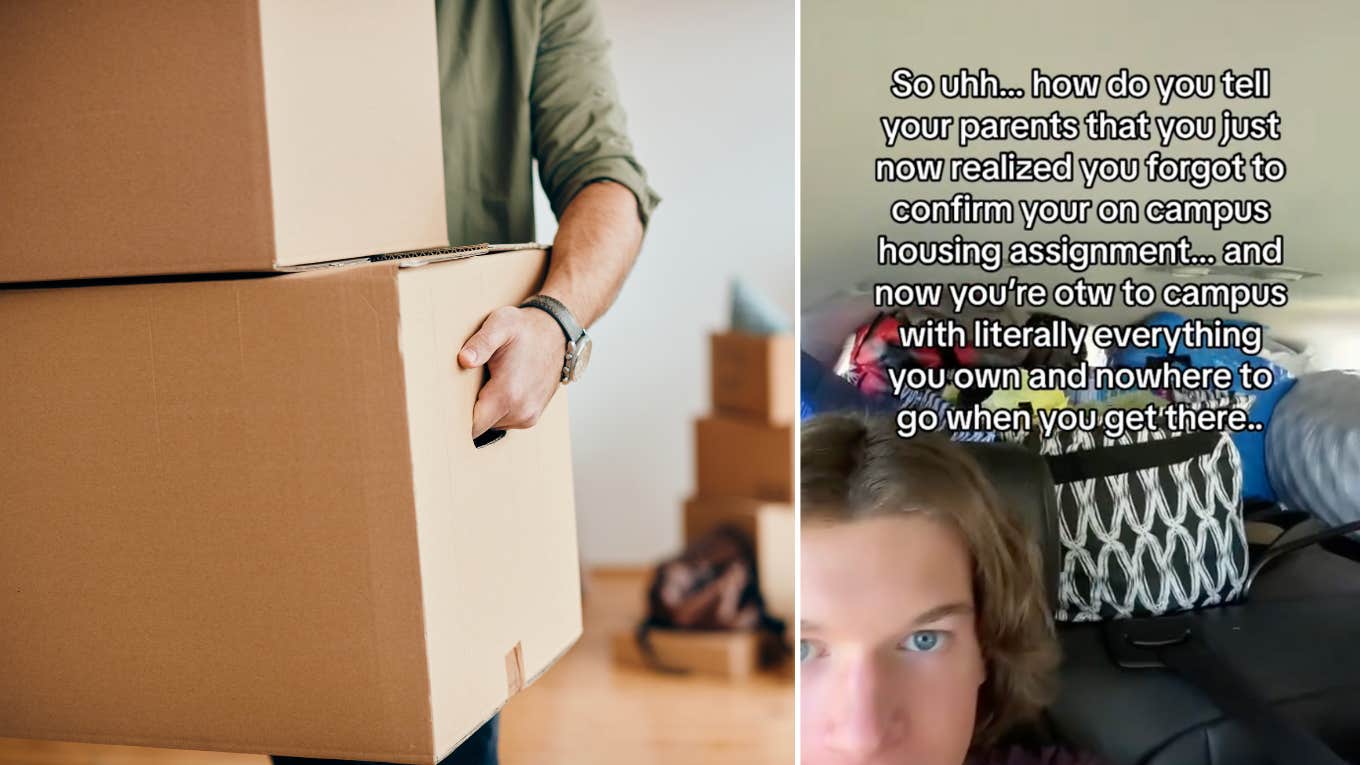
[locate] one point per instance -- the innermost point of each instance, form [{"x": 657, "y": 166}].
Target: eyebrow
[
  {"x": 940, "y": 612},
  {"x": 930, "y": 615}
]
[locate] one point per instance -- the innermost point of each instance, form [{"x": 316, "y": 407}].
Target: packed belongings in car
[{"x": 1260, "y": 403}]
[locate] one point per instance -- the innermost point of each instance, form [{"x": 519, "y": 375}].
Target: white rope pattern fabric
[{"x": 1150, "y": 541}]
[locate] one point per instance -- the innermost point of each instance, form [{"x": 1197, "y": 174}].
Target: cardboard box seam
[
  {"x": 528, "y": 683},
  {"x": 264, "y": 170},
  {"x": 428, "y": 675},
  {"x": 384, "y": 277},
  {"x": 414, "y": 257},
  {"x": 197, "y": 744}
]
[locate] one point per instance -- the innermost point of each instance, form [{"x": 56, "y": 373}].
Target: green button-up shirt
[{"x": 525, "y": 80}]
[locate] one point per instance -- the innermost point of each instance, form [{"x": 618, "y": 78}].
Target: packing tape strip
[{"x": 514, "y": 669}]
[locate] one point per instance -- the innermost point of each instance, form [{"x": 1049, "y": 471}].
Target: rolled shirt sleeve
[{"x": 578, "y": 125}]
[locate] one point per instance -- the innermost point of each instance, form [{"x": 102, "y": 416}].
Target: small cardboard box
[
  {"x": 770, "y": 525},
  {"x": 704, "y": 513},
  {"x": 752, "y": 376},
  {"x": 149, "y": 137},
  {"x": 744, "y": 458},
  {"x": 248, "y": 514},
  {"x": 734, "y": 655}
]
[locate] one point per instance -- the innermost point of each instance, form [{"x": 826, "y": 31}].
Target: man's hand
[
  {"x": 597, "y": 239},
  {"x": 524, "y": 350}
]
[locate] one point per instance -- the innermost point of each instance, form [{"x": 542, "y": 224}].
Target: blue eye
[
  {"x": 924, "y": 641},
  {"x": 808, "y": 650}
]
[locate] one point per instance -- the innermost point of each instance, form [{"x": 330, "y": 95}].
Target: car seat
[{"x": 1293, "y": 645}]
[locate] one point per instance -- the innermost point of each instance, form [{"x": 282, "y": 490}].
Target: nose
[{"x": 865, "y": 719}]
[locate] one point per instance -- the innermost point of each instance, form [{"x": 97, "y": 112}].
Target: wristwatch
[{"x": 578, "y": 342}]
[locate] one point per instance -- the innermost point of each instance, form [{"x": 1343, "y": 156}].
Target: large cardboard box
[
  {"x": 744, "y": 458},
  {"x": 164, "y": 136},
  {"x": 248, "y": 515},
  {"x": 752, "y": 376}
]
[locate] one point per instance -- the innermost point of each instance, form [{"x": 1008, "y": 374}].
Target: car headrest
[{"x": 1023, "y": 482}]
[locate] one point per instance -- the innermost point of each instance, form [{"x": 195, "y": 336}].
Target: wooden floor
[{"x": 585, "y": 710}]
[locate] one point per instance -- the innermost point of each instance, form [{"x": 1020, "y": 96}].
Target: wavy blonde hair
[{"x": 854, "y": 468}]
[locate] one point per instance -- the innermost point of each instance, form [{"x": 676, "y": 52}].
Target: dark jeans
[{"x": 479, "y": 749}]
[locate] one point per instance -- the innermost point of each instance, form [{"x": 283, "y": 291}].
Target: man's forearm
[{"x": 598, "y": 238}]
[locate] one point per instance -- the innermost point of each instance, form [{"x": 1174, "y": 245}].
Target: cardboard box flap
[{"x": 412, "y": 258}]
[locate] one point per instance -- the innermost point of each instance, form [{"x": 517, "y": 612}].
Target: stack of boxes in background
[
  {"x": 745, "y": 472},
  {"x": 744, "y": 455},
  {"x": 243, "y": 510}
]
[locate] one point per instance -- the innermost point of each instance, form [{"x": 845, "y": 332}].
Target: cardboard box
[
  {"x": 770, "y": 525},
  {"x": 744, "y": 458},
  {"x": 703, "y": 513},
  {"x": 752, "y": 376},
  {"x": 248, "y": 515},
  {"x": 776, "y": 551},
  {"x": 162, "y": 137},
  {"x": 732, "y": 655}
]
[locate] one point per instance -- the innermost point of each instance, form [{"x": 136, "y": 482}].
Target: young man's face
[{"x": 890, "y": 658}]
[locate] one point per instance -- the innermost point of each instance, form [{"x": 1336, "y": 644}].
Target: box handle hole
[{"x": 488, "y": 438}]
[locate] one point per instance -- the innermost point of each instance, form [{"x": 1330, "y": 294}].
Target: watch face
[{"x": 583, "y": 347}]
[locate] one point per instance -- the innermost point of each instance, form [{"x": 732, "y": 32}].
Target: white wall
[{"x": 708, "y": 88}]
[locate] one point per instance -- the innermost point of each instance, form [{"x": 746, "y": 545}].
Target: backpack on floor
[{"x": 713, "y": 585}]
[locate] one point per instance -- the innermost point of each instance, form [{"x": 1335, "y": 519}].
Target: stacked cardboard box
[
  {"x": 744, "y": 455},
  {"x": 745, "y": 480},
  {"x": 244, "y": 512},
  {"x": 729, "y": 655}
]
